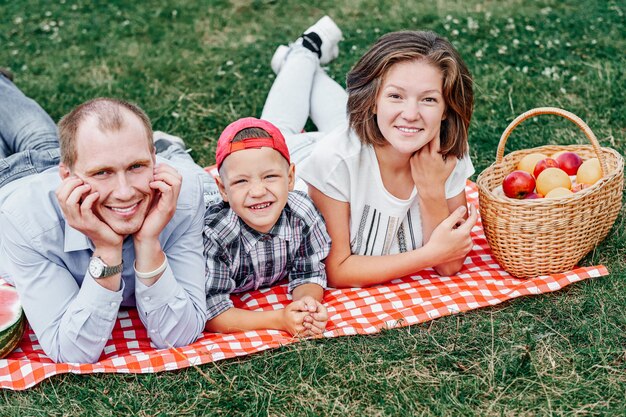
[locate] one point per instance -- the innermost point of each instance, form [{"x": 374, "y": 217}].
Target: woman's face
[{"x": 410, "y": 105}]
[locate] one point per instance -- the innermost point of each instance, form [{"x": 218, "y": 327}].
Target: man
[{"x": 109, "y": 226}]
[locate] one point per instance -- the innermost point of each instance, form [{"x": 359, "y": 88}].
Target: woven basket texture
[{"x": 529, "y": 238}]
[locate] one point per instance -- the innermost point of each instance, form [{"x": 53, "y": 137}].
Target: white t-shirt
[{"x": 344, "y": 169}]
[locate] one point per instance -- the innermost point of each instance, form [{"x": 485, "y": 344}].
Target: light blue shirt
[{"x": 71, "y": 314}]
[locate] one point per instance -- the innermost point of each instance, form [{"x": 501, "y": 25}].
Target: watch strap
[
  {"x": 107, "y": 270},
  {"x": 112, "y": 270}
]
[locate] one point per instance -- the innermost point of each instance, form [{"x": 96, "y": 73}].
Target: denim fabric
[
  {"x": 177, "y": 154},
  {"x": 28, "y": 137},
  {"x": 26, "y": 163}
]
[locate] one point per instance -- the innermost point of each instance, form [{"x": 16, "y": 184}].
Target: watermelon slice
[{"x": 12, "y": 320}]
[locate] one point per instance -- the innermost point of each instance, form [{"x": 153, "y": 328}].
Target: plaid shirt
[{"x": 239, "y": 258}]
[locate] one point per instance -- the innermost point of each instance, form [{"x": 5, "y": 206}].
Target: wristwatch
[{"x": 98, "y": 269}]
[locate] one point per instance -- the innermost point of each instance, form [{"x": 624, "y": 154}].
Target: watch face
[{"x": 96, "y": 266}]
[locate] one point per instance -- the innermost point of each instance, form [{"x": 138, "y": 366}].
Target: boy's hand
[
  {"x": 315, "y": 322},
  {"x": 293, "y": 318},
  {"x": 305, "y": 317}
]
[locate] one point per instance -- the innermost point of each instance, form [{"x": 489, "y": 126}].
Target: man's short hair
[{"x": 110, "y": 116}]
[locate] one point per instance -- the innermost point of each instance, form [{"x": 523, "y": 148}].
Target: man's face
[
  {"x": 119, "y": 166},
  {"x": 256, "y": 183}
]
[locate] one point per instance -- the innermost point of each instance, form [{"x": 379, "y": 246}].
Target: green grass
[{"x": 196, "y": 66}]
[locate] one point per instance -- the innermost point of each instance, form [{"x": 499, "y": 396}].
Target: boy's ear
[
  {"x": 64, "y": 171},
  {"x": 292, "y": 176},
  {"x": 221, "y": 188}
]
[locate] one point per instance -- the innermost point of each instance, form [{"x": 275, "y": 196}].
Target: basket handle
[{"x": 559, "y": 112}]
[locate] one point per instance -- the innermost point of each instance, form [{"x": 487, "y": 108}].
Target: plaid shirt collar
[{"x": 282, "y": 230}]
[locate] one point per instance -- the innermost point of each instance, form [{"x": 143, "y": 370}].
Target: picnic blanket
[{"x": 409, "y": 300}]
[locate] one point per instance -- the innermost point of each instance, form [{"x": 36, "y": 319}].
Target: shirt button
[
  {"x": 146, "y": 298},
  {"x": 102, "y": 339},
  {"x": 113, "y": 304}
]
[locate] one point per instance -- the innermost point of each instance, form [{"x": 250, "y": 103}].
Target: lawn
[{"x": 195, "y": 66}]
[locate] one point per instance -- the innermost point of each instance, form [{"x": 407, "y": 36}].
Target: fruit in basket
[
  {"x": 532, "y": 196},
  {"x": 528, "y": 162},
  {"x": 579, "y": 187},
  {"x": 518, "y": 184},
  {"x": 589, "y": 172},
  {"x": 543, "y": 164},
  {"x": 569, "y": 162},
  {"x": 551, "y": 178},
  {"x": 559, "y": 192},
  {"x": 12, "y": 320}
]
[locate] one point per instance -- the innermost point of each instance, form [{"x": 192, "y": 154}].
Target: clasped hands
[{"x": 305, "y": 317}]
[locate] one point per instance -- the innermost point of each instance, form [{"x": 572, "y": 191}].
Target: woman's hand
[{"x": 429, "y": 169}]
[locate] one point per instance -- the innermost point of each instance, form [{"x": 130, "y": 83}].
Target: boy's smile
[{"x": 256, "y": 183}]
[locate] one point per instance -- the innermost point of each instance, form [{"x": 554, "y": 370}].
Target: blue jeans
[
  {"x": 29, "y": 141},
  {"x": 176, "y": 153}
]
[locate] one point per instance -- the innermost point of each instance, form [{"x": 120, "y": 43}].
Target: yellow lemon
[
  {"x": 589, "y": 172},
  {"x": 551, "y": 178},
  {"x": 528, "y": 162},
  {"x": 559, "y": 192}
]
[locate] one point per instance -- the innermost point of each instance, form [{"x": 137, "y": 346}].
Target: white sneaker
[{"x": 324, "y": 36}]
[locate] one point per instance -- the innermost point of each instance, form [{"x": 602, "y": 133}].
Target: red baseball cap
[{"x": 225, "y": 146}]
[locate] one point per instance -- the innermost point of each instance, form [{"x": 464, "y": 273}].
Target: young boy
[{"x": 262, "y": 232}]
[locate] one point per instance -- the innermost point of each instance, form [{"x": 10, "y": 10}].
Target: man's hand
[
  {"x": 76, "y": 201},
  {"x": 166, "y": 183}
]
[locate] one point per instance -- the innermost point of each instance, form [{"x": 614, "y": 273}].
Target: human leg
[
  {"x": 328, "y": 102},
  {"x": 288, "y": 102},
  {"x": 322, "y": 39},
  {"x": 27, "y": 162},
  {"x": 24, "y": 124},
  {"x": 302, "y": 84},
  {"x": 28, "y": 137},
  {"x": 173, "y": 148}
]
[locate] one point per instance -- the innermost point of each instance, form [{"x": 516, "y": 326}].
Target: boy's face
[{"x": 256, "y": 183}]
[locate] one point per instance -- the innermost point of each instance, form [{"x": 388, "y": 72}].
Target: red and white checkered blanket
[{"x": 401, "y": 302}]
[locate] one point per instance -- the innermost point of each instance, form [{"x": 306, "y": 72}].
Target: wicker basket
[{"x": 542, "y": 236}]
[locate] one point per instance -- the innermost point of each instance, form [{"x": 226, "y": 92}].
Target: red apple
[
  {"x": 532, "y": 196},
  {"x": 569, "y": 162},
  {"x": 543, "y": 164},
  {"x": 518, "y": 184}
]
